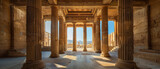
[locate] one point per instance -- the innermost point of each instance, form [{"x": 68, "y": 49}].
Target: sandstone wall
[
  {"x": 140, "y": 28},
  {"x": 19, "y": 27},
  {"x": 155, "y": 23},
  {"x": 4, "y": 27}
]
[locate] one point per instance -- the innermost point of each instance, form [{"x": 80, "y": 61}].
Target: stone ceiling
[{"x": 79, "y": 10}]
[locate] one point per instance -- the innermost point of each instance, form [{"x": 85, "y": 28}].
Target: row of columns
[
  {"x": 84, "y": 37},
  {"x": 125, "y": 33},
  {"x": 96, "y": 34},
  {"x": 58, "y": 46}
]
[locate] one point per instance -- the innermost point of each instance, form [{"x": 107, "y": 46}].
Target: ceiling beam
[
  {"x": 79, "y": 4},
  {"x": 53, "y": 2}
]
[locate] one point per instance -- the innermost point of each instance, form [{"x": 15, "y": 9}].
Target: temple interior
[{"x": 25, "y": 44}]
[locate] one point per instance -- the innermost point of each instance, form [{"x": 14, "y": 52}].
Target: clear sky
[{"x": 80, "y": 31}]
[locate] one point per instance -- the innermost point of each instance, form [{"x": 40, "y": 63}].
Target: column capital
[
  {"x": 74, "y": 22},
  {"x": 60, "y": 16},
  {"x": 54, "y": 6},
  {"x": 105, "y": 6},
  {"x": 98, "y": 17}
]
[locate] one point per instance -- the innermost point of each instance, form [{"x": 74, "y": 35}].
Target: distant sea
[{"x": 81, "y": 42}]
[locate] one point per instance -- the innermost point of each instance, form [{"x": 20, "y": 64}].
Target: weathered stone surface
[
  {"x": 97, "y": 36},
  {"x": 54, "y": 33},
  {"x": 155, "y": 24},
  {"x": 105, "y": 48},
  {"x": 19, "y": 27},
  {"x": 4, "y": 27},
  {"x": 140, "y": 28},
  {"x": 33, "y": 58},
  {"x": 61, "y": 35},
  {"x": 125, "y": 30}
]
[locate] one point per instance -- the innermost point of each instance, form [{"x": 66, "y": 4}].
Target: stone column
[
  {"x": 93, "y": 36},
  {"x": 65, "y": 37},
  {"x": 43, "y": 31},
  {"x": 97, "y": 36},
  {"x": 105, "y": 48},
  {"x": 125, "y": 29},
  {"x": 48, "y": 39},
  {"x": 54, "y": 32},
  {"x": 12, "y": 51},
  {"x": 148, "y": 35},
  {"x": 74, "y": 37},
  {"x": 33, "y": 57},
  {"x": 85, "y": 37},
  {"x": 115, "y": 32},
  {"x": 12, "y": 26},
  {"x": 61, "y": 35}
]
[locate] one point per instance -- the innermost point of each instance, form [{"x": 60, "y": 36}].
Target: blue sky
[{"x": 80, "y": 31}]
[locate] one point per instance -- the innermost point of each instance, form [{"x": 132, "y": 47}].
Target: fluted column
[
  {"x": 61, "y": 35},
  {"x": 93, "y": 36},
  {"x": 105, "y": 48},
  {"x": 33, "y": 58},
  {"x": 85, "y": 37},
  {"x": 65, "y": 37},
  {"x": 115, "y": 32},
  {"x": 97, "y": 36},
  {"x": 43, "y": 31},
  {"x": 12, "y": 26},
  {"x": 54, "y": 32},
  {"x": 74, "y": 37},
  {"x": 125, "y": 52}
]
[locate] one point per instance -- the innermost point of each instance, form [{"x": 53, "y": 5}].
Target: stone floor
[{"x": 75, "y": 60}]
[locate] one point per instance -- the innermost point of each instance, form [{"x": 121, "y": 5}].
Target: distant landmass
[{"x": 81, "y": 42}]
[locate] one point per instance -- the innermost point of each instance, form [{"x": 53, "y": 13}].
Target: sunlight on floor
[
  {"x": 60, "y": 66},
  {"x": 99, "y": 57},
  {"x": 70, "y": 57},
  {"x": 103, "y": 61}
]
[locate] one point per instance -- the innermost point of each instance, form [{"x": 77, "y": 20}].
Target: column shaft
[
  {"x": 93, "y": 36},
  {"x": 97, "y": 36},
  {"x": 12, "y": 26},
  {"x": 33, "y": 58},
  {"x": 61, "y": 35},
  {"x": 115, "y": 32},
  {"x": 65, "y": 36},
  {"x": 85, "y": 37},
  {"x": 43, "y": 31},
  {"x": 74, "y": 37},
  {"x": 54, "y": 32},
  {"x": 105, "y": 48},
  {"x": 125, "y": 29}
]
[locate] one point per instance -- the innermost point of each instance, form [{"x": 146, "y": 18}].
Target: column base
[
  {"x": 54, "y": 56},
  {"x": 105, "y": 54},
  {"x": 61, "y": 52},
  {"x": 75, "y": 50},
  {"x": 124, "y": 64},
  {"x": 15, "y": 53},
  {"x": 85, "y": 50},
  {"x": 97, "y": 51},
  {"x": 33, "y": 65}
]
